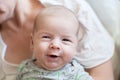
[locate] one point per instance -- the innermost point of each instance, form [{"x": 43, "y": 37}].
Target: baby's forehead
[{"x": 57, "y": 11}]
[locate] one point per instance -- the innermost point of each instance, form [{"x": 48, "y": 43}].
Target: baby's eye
[
  {"x": 67, "y": 40},
  {"x": 45, "y": 37}
]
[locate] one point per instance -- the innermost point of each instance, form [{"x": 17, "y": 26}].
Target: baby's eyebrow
[
  {"x": 68, "y": 36},
  {"x": 42, "y": 32}
]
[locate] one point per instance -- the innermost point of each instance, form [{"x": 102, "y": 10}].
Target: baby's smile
[{"x": 53, "y": 57}]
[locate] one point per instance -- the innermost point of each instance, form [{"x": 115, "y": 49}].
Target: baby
[{"x": 57, "y": 37}]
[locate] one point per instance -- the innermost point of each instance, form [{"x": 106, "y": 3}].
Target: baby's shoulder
[{"x": 25, "y": 65}]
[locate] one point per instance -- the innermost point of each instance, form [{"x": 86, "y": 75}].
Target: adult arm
[{"x": 102, "y": 72}]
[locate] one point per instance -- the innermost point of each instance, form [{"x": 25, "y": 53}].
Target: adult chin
[{"x": 4, "y": 12}]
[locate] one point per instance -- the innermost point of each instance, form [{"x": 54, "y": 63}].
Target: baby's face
[
  {"x": 54, "y": 44},
  {"x": 6, "y": 9}
]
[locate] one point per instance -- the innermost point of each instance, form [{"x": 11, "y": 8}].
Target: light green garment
[{"x": 71, "y": 71}]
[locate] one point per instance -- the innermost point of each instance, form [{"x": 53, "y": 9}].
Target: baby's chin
[{"x": 52, "y": 67}]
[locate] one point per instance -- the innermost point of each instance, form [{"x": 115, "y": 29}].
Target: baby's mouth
[{"x": 53, "y": 56}]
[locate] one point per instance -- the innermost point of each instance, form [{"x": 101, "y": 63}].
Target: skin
[
  {"x": 54, "y": 45},
  {"x": 102, "y": 72},
  {"x": 6, "y": 10},
  {"x": 16, "y": 28}
]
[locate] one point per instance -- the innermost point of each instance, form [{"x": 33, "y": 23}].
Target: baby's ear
[{"x": 31, "y": 41}]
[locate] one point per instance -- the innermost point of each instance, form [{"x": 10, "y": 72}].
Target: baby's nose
[{"x": 55, "y": 45}]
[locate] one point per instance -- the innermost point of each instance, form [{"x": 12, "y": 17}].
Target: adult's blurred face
[{"x": 6, "y": 9}]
